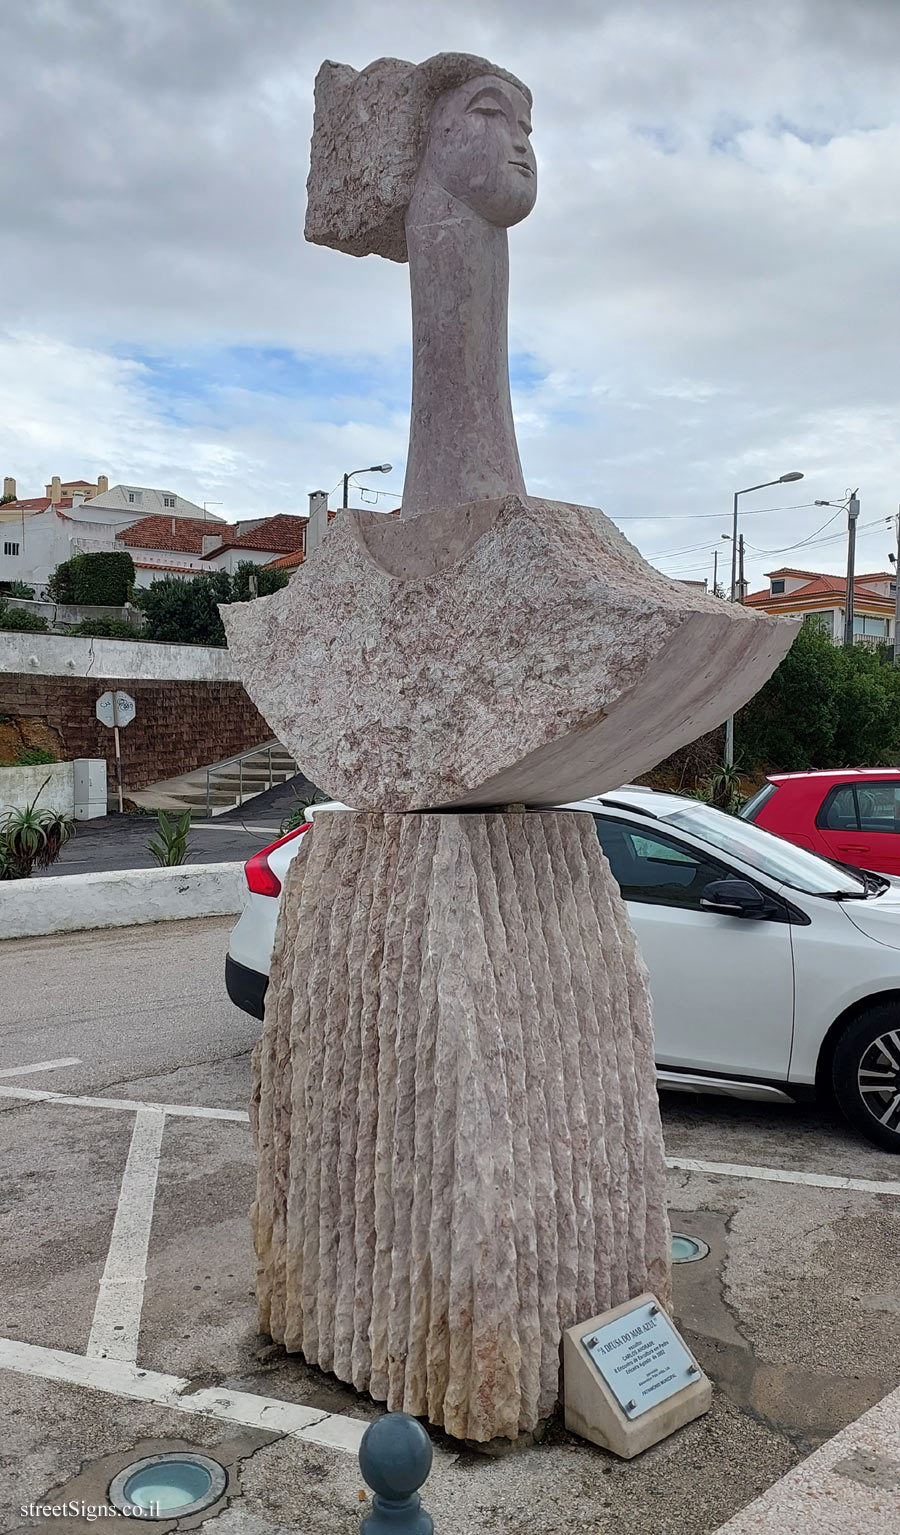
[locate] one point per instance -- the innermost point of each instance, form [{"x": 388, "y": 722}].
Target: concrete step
[{"x": 230, "y": 784}]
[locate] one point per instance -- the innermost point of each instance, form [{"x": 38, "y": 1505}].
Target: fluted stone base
[{"x": 458, "y": 1133}]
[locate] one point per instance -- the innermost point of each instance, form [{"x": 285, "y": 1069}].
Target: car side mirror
[{"x": 734, "y": 898}]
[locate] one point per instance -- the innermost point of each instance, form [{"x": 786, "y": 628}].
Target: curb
[
  {"x": 71, "y": 903},
  {"x": 851, "y": 1486}
]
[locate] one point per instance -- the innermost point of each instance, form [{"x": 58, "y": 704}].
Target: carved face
[{"x": 479, "y": 149}]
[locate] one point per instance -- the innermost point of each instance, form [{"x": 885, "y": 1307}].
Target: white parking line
[
  {"x": 25, "y": 1071},
  {"x": 781, "y": 1175},
  {"x": 117, "y": 1315},
  {"x": 181, "y": 1110},
  {"x": 118, "y": 1378}
]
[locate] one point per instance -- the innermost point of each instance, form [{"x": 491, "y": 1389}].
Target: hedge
[{"x": 94, "y": 580}]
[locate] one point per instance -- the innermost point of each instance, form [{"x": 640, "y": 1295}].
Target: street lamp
[
  {"x": 372, "y": 469},
  {"x": 783, "y": 479}
]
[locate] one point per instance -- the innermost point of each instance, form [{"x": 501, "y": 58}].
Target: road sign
[{"x": 116, "y": 709}]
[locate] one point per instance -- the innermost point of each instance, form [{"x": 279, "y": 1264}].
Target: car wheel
[{"x": 866, "y": 1074}]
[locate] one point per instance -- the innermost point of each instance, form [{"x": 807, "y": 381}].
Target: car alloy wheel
[
  {"x": 878, "y": 1079},
  {"x": 865, "y": 1073}
]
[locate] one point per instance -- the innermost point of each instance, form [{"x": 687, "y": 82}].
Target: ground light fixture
[
  {"x": 168, "y": 1486},
  {"x": 687, "y": 1249}
]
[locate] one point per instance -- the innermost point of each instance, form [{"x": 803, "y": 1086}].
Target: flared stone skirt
[{"x": 459, "y": 1146}]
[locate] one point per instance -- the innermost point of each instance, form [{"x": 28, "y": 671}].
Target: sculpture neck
[{"x": 462, "y": 444}]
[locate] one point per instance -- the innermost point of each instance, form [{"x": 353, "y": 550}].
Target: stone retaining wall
[{"x": 178, "y": 726}]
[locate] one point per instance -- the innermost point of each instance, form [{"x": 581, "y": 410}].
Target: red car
[{"x": 852, "y": 816}]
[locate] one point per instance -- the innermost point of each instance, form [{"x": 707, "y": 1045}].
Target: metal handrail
[{"x": 238, "y": 760}]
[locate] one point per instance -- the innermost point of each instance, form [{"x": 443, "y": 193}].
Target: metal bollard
[{"x": 395, "y": 1459}]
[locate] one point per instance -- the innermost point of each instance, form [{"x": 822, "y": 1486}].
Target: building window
[
  {"x": 823, "y": 621},
  {"x": 777, "y": 588},
  {"x": 135, "y": 497},
  {"x": 876, "y": 626},
  {"x": 168, "y": 500},
  {"x": 12, "y": 549}
]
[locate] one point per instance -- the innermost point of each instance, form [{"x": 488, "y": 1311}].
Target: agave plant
[
  {"x": 170, "y": 847},
  {"x": 32, "y": 838}
]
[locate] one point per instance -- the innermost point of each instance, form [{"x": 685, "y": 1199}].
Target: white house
[{"x": 39, "y": 533}]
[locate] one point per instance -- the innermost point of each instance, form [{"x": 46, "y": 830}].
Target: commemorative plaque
[{"x": 630, "y": 1379}]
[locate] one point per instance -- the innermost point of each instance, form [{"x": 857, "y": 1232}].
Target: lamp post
[
  {"x": 372, "y": 469},
  {"x": 783, "y": 479}
]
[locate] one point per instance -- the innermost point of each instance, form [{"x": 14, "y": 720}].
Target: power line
[{"x": 756, "y": 511}]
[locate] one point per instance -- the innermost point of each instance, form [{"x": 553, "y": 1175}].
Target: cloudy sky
[{"x": 705, "y": 297}]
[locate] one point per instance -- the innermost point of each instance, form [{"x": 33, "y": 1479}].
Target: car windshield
[{"x": 771, "y": 855}]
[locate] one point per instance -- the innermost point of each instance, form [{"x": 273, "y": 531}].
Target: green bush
[
  {"x": 267, "y": 581},
  {"x": 96, "y": 580},
  {"x": 106, "y": 628},
  {"x": 60, "y": 587},
  {"x": 20, "y": 589},
  {"x": 185, "y": 609},
  {"x": 34, "y": 756},
  {"x": 825, "y": 707}
]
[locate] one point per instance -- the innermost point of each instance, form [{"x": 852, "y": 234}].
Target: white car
[{"x": 775, "y": 973}]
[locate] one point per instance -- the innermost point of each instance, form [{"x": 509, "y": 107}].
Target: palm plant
[
  {"x": 32, "y": 838},
  {"x": 170, "y": 847},
  {"x": 725, "y": 786}
]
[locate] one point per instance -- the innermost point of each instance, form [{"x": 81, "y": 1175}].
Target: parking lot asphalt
[
  {"x": 127, "y": 1319},
  {"x": 123, "y": 841}
]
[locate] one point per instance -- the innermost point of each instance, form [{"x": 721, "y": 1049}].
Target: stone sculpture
[{"x": 459, "y": 1143}]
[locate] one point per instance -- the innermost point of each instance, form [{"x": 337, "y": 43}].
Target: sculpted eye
[{"x": 487, "y": 111}]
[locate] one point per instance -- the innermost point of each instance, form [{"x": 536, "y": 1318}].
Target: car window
[
  {"x": 754, "y": 805},
  {"x": 770, "y": 855},
  {"x": 838, "y": 813},
  {"x": 879, "y": 806},
  {"x": 654, "y": 868}
]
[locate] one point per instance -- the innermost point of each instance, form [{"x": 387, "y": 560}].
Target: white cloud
[{"x": 708, "y": 285}]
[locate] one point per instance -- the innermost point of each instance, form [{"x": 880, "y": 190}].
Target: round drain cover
[
  {"x": 168, "y": 1486},
  {"x": 687, "y": 1249}
]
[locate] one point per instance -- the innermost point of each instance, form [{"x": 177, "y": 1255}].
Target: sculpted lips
[{"x": 522, "y": 166}]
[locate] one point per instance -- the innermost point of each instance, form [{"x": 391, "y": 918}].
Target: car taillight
[{"x": 260, "y": 878}]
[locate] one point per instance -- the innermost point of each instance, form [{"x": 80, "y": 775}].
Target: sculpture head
[
  {"x": 478, "y": 149},
  {"x": 457, "y": 118}
]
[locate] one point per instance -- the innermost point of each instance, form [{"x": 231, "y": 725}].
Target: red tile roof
[
  {"x": 817, "y": 586},
  {"x": 34, "y": 504},
  {"x": 286, "y": 561},
  {"x": 171, "y": 570},
  {"x": 277, "y": 535},
  {"x": 183, "y": 535}
]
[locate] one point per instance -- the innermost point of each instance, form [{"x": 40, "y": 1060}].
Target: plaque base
[{"x": 630, "y": 1379}]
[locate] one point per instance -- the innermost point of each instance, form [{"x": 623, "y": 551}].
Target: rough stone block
[{"x": 512, "y": 651}]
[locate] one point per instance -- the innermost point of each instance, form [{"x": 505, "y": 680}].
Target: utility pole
[
  {"x": 741, "y": 591},
  {"x": 897, "y": 596},
  {"x": 734, "y": 542},
  {"x": 715, "y": 590},
  {"x": 852, "y": 517}
]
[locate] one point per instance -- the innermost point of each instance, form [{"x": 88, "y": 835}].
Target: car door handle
[{"x": 853, "y": 847}]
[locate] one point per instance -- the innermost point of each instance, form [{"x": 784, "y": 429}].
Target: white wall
[
  {"x": 71, "y": 903},
  {"x": 77, "y": 788},
  {"x": 19, "y": 785},
  {"x": 60, "y": 655}
]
